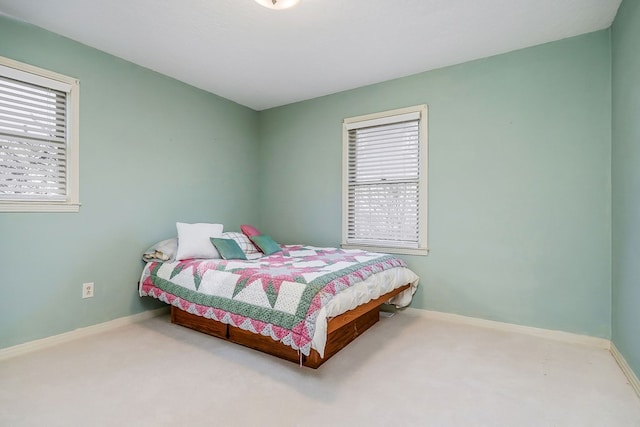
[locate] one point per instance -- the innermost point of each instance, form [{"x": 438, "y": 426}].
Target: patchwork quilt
[{"x": 277, "y": 296}]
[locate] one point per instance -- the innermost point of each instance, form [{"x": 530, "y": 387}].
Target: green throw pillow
[
  {"x": 266, "y": 244},
  {"x": 228, "y": 248}
]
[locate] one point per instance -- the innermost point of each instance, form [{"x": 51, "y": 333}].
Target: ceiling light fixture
[{"x": 278, "y": 4}]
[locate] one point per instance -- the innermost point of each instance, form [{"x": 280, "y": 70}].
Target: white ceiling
[{"x": 263, "y": 58}]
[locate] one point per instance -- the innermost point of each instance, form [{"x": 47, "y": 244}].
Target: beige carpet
[{"x": 405, "y": 371}]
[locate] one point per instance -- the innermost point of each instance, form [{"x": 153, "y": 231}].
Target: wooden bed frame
[{"x": 341, "y": 330}]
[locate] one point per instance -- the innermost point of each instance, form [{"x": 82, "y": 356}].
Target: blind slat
[{"x": 46, "y": 99}]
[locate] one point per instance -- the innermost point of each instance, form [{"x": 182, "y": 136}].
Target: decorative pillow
[
  {"x": 193, "y": 240},
  {"x": 243, "y": 241},
  {"x": 228, "y": 248},
  {"x": 249, "y": 230},
  {"x": 266, "y": 244}
]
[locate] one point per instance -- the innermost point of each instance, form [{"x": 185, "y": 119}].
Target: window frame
[
  {"x": 35, "y": 75},
  {"x": 384, "y": 116}
]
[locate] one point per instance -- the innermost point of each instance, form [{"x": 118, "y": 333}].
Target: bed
[{"x": 302, "y": 303}]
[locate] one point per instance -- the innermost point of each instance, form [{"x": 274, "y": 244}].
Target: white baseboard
[
  {"x": 30, "y": 346},
  {"x": 510, "y": 327},
  {"x": 631, "y": 376}
]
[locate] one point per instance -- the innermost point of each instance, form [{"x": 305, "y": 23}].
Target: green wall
[
  {"x": 626, "y": 182},
  {"x": 153, "y": 151},
  {"x": 519, "y": 181},
  {"x": 519, "y": 191}
]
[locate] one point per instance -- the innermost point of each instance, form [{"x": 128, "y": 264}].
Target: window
[
  {"x": 384, "y": 181},
  {"x": 38, "y": 139}
]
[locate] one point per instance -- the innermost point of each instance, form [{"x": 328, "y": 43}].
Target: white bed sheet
[{"x": 360, "y": 293}]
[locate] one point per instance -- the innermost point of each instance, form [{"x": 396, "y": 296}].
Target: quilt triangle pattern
[{"x": 256, "y": 287}]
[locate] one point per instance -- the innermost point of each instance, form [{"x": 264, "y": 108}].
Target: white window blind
[
  {"x": 385, "y": 174},
  {"x": 38, "y": 164}
]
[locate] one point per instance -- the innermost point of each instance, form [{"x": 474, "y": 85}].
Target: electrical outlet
[{"x": 87, "y": 290}]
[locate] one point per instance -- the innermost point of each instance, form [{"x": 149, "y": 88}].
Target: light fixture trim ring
[{"x": 278, "y": 4}]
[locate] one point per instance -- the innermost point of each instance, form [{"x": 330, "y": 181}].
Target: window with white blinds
[
  {"x": 38, "y": 139},
  {"x": 384, "y": 181}
]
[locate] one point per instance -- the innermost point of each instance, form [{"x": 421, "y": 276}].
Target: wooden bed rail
[{"x": 341, "y": 330}]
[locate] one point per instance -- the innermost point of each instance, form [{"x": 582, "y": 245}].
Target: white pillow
[
  {"x": 162, "y": 251},
  {"x": 193, "y": 240}
]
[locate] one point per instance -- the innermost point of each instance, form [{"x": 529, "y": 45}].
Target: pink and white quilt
[{"x": 277, "y": 296}]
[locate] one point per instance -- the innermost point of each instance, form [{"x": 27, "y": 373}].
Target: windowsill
[
  {"x": 388, "y": 249},
  {"x": 39, "y": 207}
]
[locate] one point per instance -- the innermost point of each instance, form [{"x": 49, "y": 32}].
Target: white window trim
[
  {"x": 72, "y": 86},
  {"x": 382, "y": 118}
]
